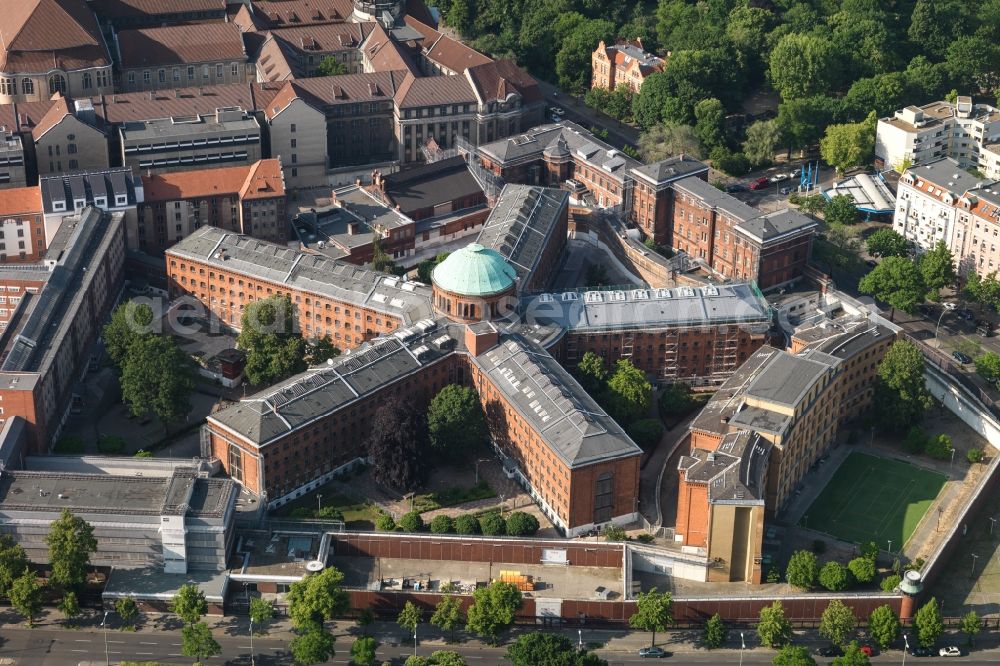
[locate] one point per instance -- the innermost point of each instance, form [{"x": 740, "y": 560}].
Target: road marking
[
  {"x": 175, "y": 644},
  {"x": 245, "y": 647},
  {"x": 81, "y": 640},
  {"x": 121, "y": 642},
  {"x": 146, "y": 653},
  {"x": 145, "y": 643},
  {"x": 84, "y": 651},
  {"x": 113, "y": 652},
  {"x": 175, "y": 654}
]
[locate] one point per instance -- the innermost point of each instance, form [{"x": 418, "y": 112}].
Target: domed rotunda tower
[{"x": 474, "y": 284}]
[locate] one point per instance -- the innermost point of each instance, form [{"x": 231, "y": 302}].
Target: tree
[
  {"x": 467, "y": 524},
  {"x": 26, "y": 596},
  {"x": 448, "y": 615},
  {"x": 71, "y": 542},
  {"x": 648, "y": 105},
  {"x": 13, "y": 561},
  {"x": 853, "y": 656},
  {"x": 544, "y": 649},
  {"x": 409, "y": 617},
  {"x": 849, "y": 145},
  {"x": 127, "y": 610},
  {"x": 834, "y": 576},
  {"x": 629, "y": 392},
  {"x": 971, "y": 625},
  {"x": 802, "y": 65},
  {"x": 460, "y": 15},
  {"x": 939, "y": 447},
  {"x": 385, "y": 523},
  {"x": 269, "y": 336},
  {"x": 197, "y": 641},
  {"x": 974, "y": 456},
  {"x": 261, "y": 611},
  {"x": 928, "y": 623},
  {"x": 762, "y": 142},
  {"x": 411, "y": 522},
  {"x": 446, "y": 658},
  {"x": 156, "y": 379},
  {"x": 838, "y": 622},
  {"x": 574, "y": 55},
  {"x": 676, "y": 399},
  {"x": 520, "y": 523},
  {"x": 937, "y": 267},
  {"x": 426, "y": 267},
  {"x": 710, "y": 123},
  {"x": 882, "y": 93},
  {"x": 883, "y": 625},
  {"x": 442, "y": 524},
  {"x": 714, "y": 635},
  {"x": 130, "y": 321},
  {"x": 492, "y": 525},
  {"x": 934, "y": 24},
  {"x": 493, "y": 609},
  {"x": 69, "y": 607},
  {"x": 793, "y": 655},
  {"x": 330, "y": 66},
  {"x": 889, "y": 583},
  {"x": 189, "y": 603},
  {"x": 896, "y": 281},
  {"x": 664, "y": 140},
  {"x": 317, "y": 598},
  {"x": 840, "y": 210},
  {"x": 363, "y": 651},
  {"x": 591, "y": 374},
  {"x": 455, "y": 421},
  {"x": 729, "y": 163},
  {"x": 397, "y": 445},
  {"x": 615, "y": 533},
  {"x": 900, "y": 391},
  {"x": 802, "y": 569},
  {"x": 320, "y": 350},
  {"x": 312, "y": 646},
  {"x": 803, "y": 121},
  {"x": 654, "y": 611},
  {"x": 645, "y": 432},
  {"x": 365, "y": 618},
  {"x": 773, "y": 628},
  {"x": 887, "y": 243},
  {"x": 863, "y": 569}
]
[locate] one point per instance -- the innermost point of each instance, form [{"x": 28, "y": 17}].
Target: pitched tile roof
[
  {"x": 168, "y": 103},
  {"x": 264, "y": 181},
  {"x": 52, "y": 117},
  {"x": 180, "y": 44},
  {"x": 454, "y": 55},
  {"x": 39, "y": 35},
  {"x": 120, "y": 9},
  {"x": 19, "y": 200},
  {"x": 267, "y": 14},
  {"x": 350, "y": 88},
  {"x": 434, "y": 90},
  {"x": 496, "y": 80},
  {"x": 325, "y": 38},
  {"x": 273, "y": 62},
  {"x": 197, "y": 183},
  {"x": 384, "y": 54}
]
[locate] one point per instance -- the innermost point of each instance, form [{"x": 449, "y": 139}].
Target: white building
[
  {"x": 926, "y": 202},
  {"x": 960, "y": 130}
]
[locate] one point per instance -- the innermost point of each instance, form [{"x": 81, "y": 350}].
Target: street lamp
[
  {"x": 319, "y": 502},
  {"x": 414, "y": 641},
  {"x": 246, "y": 593},
  {"x": 972, "y": 571},
  {"x": 890, "y": 547},
  {"x": 906, "y": 649},
  {"x": 579, "y": 633},
  {"x": 743, "y": 646},
  {"x": 104, "y": 625},
  {"x": 992, "y": 522},
  {"x": 947, "y": 308}
]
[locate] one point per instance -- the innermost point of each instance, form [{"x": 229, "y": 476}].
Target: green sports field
[{"x": 874, "y": 499}]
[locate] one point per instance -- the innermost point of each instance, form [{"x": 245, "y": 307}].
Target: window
[
  {"x": 190, "y": 73},
  {"x": 73, "y": 164},
  {"x": 161, "y": 76},
  {"x": 57, "y": 84},
  {"x": 294, "y": 143},
  {"x": 131, "y": 78},
  {"x": 27, "y": 86},
  {"x": 235, "y": 69},
  {"x": 219, "y": 72},
  {"x": 604, "y": 497},
  {"x": 87, "y": 81},
  {"x": 235, "y": 463},
  {"x": 177, "y": 74},
  {"x": 145, "y": 77},
  {"x": 205, "y": 72},
  {"x": 71, "y": 149}
]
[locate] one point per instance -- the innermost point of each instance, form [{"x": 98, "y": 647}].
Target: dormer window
[
  {"x": 121, "y": 200},
  {"x": 58, "y": 205}
]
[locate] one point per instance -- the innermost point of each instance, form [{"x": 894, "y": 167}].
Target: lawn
[
  {"x": 874, "y": 499},
  {"x": 452, "y": 497},
  {"x": 358, "y": 514}
]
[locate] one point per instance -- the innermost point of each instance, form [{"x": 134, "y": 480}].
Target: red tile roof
[
  {"x": 385, "y": 55},
  {"x": 168, "y": 103},
  {"x": 21, "y": 200},
  {"x": 273, "y": 62},
  {"x": 434, "y": 90},
  {"x": 495, "y": 80},
  {"x": 52, "y": 117},
  {"x": 194, "y": 184},
  {"x": 454, "y": 55},
  {"x": 181, "y": 45},
  {"x": 279, "y": 13},
  {"x": 118, "y": 9},
  {"x": 39, "y": 35},
  {"x": 325, "y": 38},
  {"x": 264, "y": 181}
]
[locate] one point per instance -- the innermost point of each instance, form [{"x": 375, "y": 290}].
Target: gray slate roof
[
  {"x": 786, "y": 379},
  {"x": 671, "y": 168},
  {"x": 734, "y": 472},
  {"x": 770, "y": 226},
  {"x": 946, "y": 174}
]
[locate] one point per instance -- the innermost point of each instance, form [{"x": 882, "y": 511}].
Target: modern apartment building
[
  {"x": 960, "y": 130},
  {"x": 625, "y": 63}
]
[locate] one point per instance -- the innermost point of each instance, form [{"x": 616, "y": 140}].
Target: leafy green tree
[
  {"x": 802, "y": 569},
  {"x": 409, "y": 617},
  {"x": 762, "y": 141},
  {"x": 900, "y": 392},
  {"x": 773, "y": 628},
  {"x": 127, "y": 610},
  {"x": 935, "y": 24},
  {"x": 747, "y": 29},
  {"x": 426, "y": 267},
  {"x": 520, "y": 523},
  {"x": 385, "y": 523},
  {"x": 130, "y": 321},
  {"x": 793, "y": 655},
  {"x": 13, "y": 562},
  {"x": 645, "y": 432},
  {"x": 887, "y": 243},
  {"x": 863, "y": 569},
  {"x": 729, "y": 163},
  {"x": 261, "y": 612},
  {"x": 460, "y": 16},
  {"x": 312, "y": 646},
  {"x": 591, "y": 374},
  {"x": 70, "y": 607},
  {"x": 714, "y": 634},
  {"x": 937, "y": 266},
  {"x": 983, "y": 290},
  {"x": 442, "y": 524},
  {"x": 189, "y": 604},
  {"x": 654, "y": 611},
  {"x": 929, "y": 623},
  {"x": 802, "y": 65},
  {"x": 448, "y": 615},
  {"x": 330, "y": 66},
  {"x": 492, "y": 525},
  {"x": 889, "y": 583},
  {"x": 838, "y": 622},
  {"x": 971, "y": 625},
  {"x": 363, "y": 651},
  {"x": 26, "y": 596},
  {"x": 493, "y": 610},
  {"x": 269, "y": 336},
  {"x": 676, "y": 399},
  {"x": 974, "y": 456},
  {"x": 883, "y": 625},
  {"x": 467, "y": 524},
  {"x": 710, "y": 123},
  {"x": 834, "y": 576},
  {"x": 849, "y": 145},
  {"x": 316, "y": 599},
  {"x": 648, "y": 105},
  {"x": 629, "y": 392},
  {"x": 803, "y": 121},
  {"x": 320, "y": 350},
  {"x": 666, "y": 139},
  {"x": 853, "y": 656},
  {"x": 615, "y": 533},
  {"x": 411, "y": 522},
  {"x": 71, "y": 542},
  {"x": 455, "y": 421},
  {"x": 939, "y": 447},
  {"x": 882, "y": 93},
  {"x": 197, "y": 641},
  {"x": 397, "y": 445},
  {"x": 365, "y": 619},
  {"x": 540, "y": 647},
  {"x": 156, "y": 378},
  {"x": 896, "y": 281},
  {"x": 840, "y": 210},
  {"x": 574, "y": 56}
]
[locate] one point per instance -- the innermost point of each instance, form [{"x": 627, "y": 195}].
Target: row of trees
[
  {"x": 804, "y": 572},
  {"x": 517, "y": 523}
]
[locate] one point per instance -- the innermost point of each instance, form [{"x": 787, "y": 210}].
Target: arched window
[
  {"x": 87, "y": 81},
  {"x": 27, "y": 86},
  {"x": 57, "y": 84},
  {"x": 604, "y": 497},
  {"x": 8, "y": 86}
]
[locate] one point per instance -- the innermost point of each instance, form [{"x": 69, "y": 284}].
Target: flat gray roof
[
  {"x": 179, "y": 128},
  {"x": 740, "y": 303},
  {"x": 786, "y": 379},
  {"x": 313, "y": 273},
  {"x": 947, "y": 174}
]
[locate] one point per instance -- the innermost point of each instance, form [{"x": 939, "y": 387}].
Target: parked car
[
  {"x": 778, "y": 178},
  {"x": 918, "y": 651},
  {"x": 965, "y": 313},
  {"x": 962, "y": 357},
  {"x": 556, "y": 111},
  {"x": 950, "y": 651},
  {"x": 785, "y": 190},
  {"x": 830, "y": 651},
  {"x": 984, "y": 328},
  {"x": 867, "y": 650},
  {"x": 653, "y": 653},
  {"x": 760, "y": 183},
  {"x": 735, "y": 187}
]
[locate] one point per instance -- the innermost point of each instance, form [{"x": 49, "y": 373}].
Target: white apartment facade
[{"x": 926, "y": 202}]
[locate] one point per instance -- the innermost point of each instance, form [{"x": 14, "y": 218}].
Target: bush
[
  {"x": 645, "y": 537},
  {"x": 863, "y": 569},
  {"x": 69, "y": 445},
  {"x": 731, "y": 164},
  {"x": 974, "y": 455},
  {"x": 614, "y": 533},
  {"x": 774, "y": 576},
  {"x": 301, "y": 513},
  {"x": 330, "y": 513},
  {"x": 834, "y": 576},
  {"x": 385, "y": 523},
  {"x": 442, "y": 524},
  {"x": 143, "y": 453},
  {"x": 646, "y": 433},
  {"x": 467, "y": 524},
  {"x": 676, "y": 400},
  {"x": 801, "y": 570},
  {"x": 111, "y": 445},
  {"x": 492, "y": 525},
  {"x": 939, "y": 447},
  {"x": 916, "y": 440},
  {"x": 520, "y": 523},
  {"x": 411, "y": 522},
  {"x": 889, "y": 583}
]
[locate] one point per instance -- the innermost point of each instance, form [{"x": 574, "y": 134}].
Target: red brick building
[{"x": 623, "y": 64}]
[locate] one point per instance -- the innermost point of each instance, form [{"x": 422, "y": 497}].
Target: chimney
[
  {"x": 353, "y": 228},
  {"x": 357, "y": 181},
  {"x": 481, "y": 337}
]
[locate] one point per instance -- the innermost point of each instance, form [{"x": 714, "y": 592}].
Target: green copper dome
[{"x": 474, "y": 271}]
